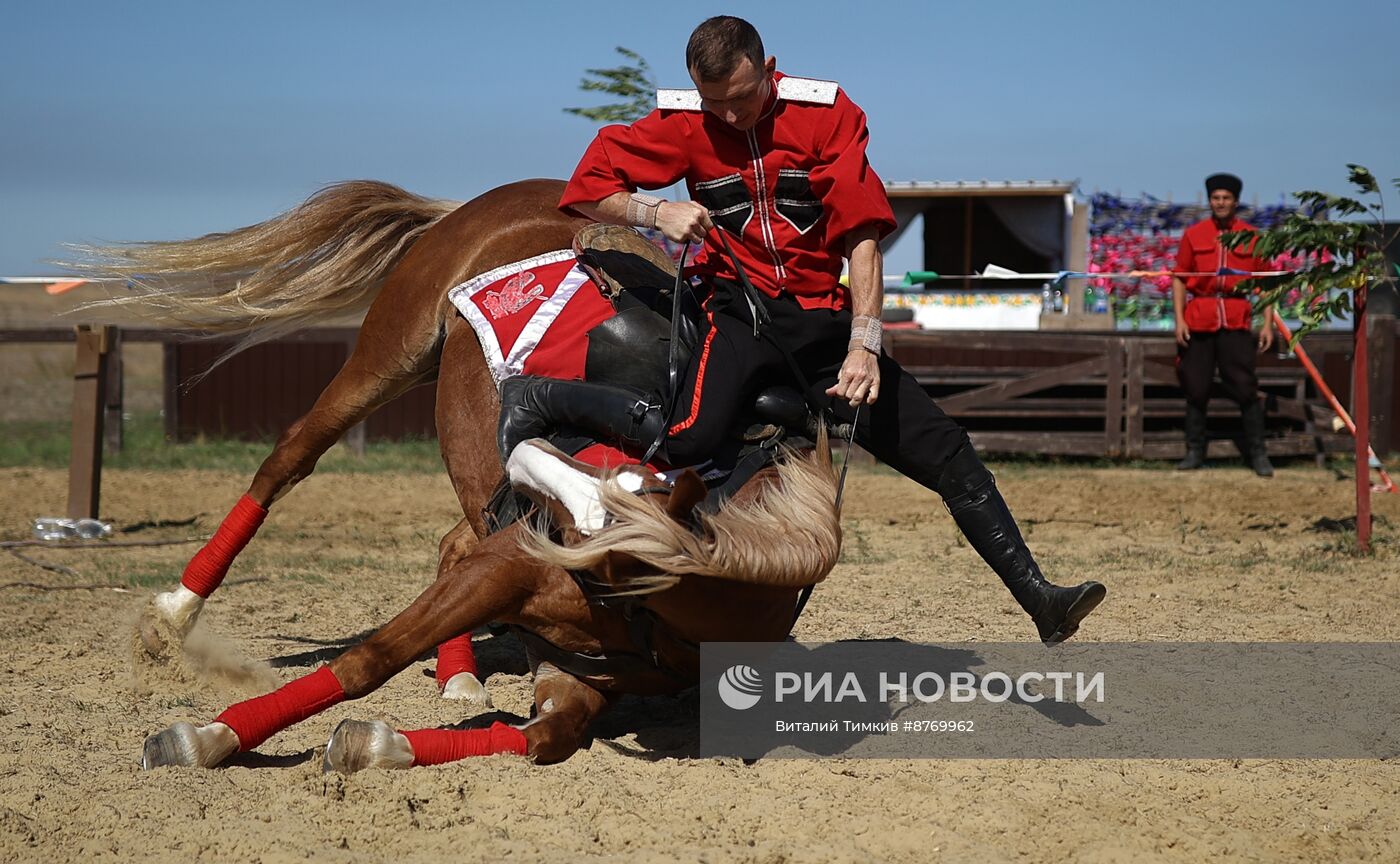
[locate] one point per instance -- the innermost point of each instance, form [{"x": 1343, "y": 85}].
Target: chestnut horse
[
  {"x": 363, "y": 243},
  {"x": 352, "y": 245},
  {"x": 733, "y": 576}
]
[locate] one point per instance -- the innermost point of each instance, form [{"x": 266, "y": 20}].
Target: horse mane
[
  {"x": 787, "y": 533},
  {"x": 327, "y": 256}
]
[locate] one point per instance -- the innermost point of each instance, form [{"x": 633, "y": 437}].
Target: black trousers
[
  {"x": 1230, "y": 351},
  {"x": 905, "y": 429}
]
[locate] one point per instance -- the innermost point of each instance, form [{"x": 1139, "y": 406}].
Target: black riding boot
[
  {"x": 1195, "y": 439},
  {"x": 970, "y": 492},
  {"x": 534, "y": 407},
  {"x": 1252, "y": 418}
]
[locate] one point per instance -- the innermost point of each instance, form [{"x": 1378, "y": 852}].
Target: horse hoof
[
  {"x": 179, "y": 609},
  {"x": 359, "y": 744},
  {"x": 188, "y": 746},
  {"x": 465, "y": 687},
  {"x": 152, "y": 639}
]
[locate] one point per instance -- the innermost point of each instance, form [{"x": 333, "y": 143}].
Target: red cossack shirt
[
  {"x": 1214, "y": 306},
  {"x": 789, "y": 189}
]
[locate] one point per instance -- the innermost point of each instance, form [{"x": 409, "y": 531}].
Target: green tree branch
[{"x": 631, "y": 82}]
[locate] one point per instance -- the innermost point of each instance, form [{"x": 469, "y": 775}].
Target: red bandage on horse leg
[
  {"x": 438, "y": 746},
  {"x": 455, "y": 655},
  {"x": 209, "y": 565},
  {"x": 257, "y": 720}
]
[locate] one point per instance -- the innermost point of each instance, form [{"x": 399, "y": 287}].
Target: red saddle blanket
[{"x": 532, "y": 318}]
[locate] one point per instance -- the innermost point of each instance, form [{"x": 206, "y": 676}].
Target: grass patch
[{"x": 45, "y": 444}]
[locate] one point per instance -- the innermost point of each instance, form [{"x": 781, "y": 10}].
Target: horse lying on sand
[
  {"x": 353, "y": 245},
  {"x": 619, "y": 610}
]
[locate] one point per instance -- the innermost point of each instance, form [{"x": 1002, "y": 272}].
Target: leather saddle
[{"x": 633, "y": 348}]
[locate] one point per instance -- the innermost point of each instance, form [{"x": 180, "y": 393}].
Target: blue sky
[{"x": 154, "y": 120}]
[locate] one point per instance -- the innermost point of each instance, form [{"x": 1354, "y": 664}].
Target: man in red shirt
[
  {"x": 1213, "y": 328},
  {"x": 777, "y": 164}
]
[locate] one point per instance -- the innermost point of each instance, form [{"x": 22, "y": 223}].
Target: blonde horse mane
[
  {"x": 327, "y": 256},
  {"x": 787, "y": 536}
]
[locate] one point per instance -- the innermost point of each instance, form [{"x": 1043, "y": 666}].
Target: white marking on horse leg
[
  {"x": 359, "y": 744},
  {"x": 466, "y": 687},
  {"x": 180, "y": 608},
  {"x": 539, "y": 471},
  {"x": 544, "y": 472},
  {"x": 184, "y": 744}
]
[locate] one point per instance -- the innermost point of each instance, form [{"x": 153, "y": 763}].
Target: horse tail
[
  {"x": 789, "y": 536},
  {"x": 328, "y": 256}
]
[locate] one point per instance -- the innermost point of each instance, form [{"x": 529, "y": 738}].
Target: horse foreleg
[
  {"x": 564, "y": 707},
  {"x": 456, "y": 671},
  {"x": 466, "y": 394},
  {"x": 481, "y": 588}
]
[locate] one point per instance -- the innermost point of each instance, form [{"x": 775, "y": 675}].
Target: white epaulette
[
  {"x": 813, "y": 90},
  {"x": 678, "y": 100}
]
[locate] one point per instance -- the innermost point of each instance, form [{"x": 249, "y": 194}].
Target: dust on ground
[{"x": 1212, "y": 556}]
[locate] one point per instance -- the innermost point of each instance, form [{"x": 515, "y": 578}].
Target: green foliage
[
  {"x": 631, "y": 82},
  {"x": 1341, "y": 242}
]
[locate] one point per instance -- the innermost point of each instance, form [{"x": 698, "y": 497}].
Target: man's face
[
  {"x": 738, "y": 98},
  {"x": 1222, "y": 204}
]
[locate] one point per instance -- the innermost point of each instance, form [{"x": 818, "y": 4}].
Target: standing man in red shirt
[
  {"x": 1213, "y": 328},
  {"x": 778, "y": 178}
]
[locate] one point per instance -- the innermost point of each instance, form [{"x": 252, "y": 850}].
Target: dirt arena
[{"x": 1215, "y": 555}]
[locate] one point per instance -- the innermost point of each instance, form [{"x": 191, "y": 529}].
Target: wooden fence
[
  {"x": 1111, "y": 394},
  {"x": 1094, "y": 394}
]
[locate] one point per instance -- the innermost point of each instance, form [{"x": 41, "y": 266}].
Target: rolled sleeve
[{"x": 649, "y": 154}]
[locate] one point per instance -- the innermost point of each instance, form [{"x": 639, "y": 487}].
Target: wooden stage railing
[{"x": 1108, "y": 394}]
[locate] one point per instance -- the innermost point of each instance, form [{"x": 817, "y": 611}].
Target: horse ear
[{"x": 686, "y": 492}]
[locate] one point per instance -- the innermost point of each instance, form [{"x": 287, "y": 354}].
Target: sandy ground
[{"x": 1215, "y": 555}]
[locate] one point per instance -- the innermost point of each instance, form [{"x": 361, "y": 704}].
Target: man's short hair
[{"x": 719, "y": 43}]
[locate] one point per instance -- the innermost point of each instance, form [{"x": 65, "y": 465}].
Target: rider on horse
[{"x": 778, "y": 164}]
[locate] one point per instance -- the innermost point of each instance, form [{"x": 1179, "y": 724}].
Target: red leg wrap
[
  {"x": 455, "y": 655},
  {"x": 438, "y": 746},
  {"x": 209, "y": 565},
  {"x": 257, "y": 720}
]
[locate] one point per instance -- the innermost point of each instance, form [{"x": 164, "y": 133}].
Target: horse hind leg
[
  {"x": 389, "y": 358},
  {"x": 491, "y": 584},
  {"x": 564, "y": 707}
]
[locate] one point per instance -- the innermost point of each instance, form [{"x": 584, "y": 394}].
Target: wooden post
[
  {"x": 1361, "y": 414},
  {"x": 1136, "y": 362},
  {"x": 170, "y": 389},
  {"x": 112, "y": 403},
  {"x": 85, "y": 457},
  {"x": 1113, "y": 398}
]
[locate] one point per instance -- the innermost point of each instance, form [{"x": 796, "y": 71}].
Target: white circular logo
[{"x": 740, "y": 687}]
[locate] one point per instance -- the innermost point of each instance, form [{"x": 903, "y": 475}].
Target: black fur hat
[{"x": 1229, "y": 182}]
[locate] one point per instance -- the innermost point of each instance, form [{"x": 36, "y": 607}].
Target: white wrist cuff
[
  {"x": 642, "y": 209},
  {"x": 866, "y": 333}
]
